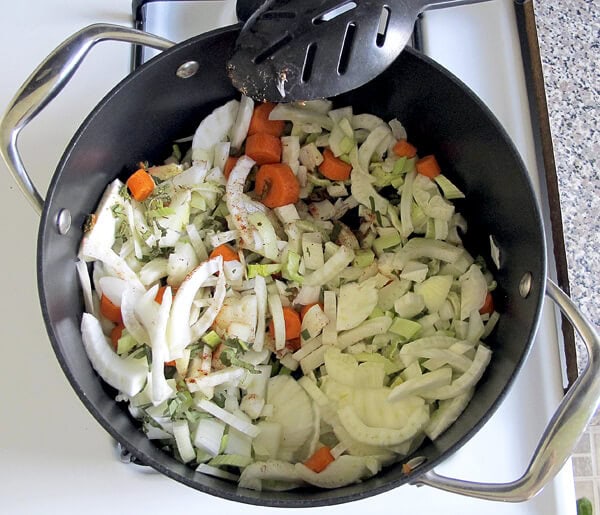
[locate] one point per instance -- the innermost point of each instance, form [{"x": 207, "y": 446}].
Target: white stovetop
[{"x": 55, "y": 457}]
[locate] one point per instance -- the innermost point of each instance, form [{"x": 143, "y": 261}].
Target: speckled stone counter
[{"x": 569, "y": 39}]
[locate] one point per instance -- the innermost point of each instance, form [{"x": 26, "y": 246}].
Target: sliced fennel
[{"x": 346, "y": 317}]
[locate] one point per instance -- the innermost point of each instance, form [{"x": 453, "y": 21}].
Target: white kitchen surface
[{"x": 55, "y": 457}]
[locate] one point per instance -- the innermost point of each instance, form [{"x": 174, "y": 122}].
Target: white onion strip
[
  {"x": 86, "y": 286},
  {"x": 276, "y": 309},
  {"x": 134, "y": 327},
  {"x": 179, "y": 332},
  {"x": 260, "y": 288}
]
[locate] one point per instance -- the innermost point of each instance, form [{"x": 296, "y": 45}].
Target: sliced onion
[
  {"x": 125, "y": 374},
  {"x": 276, "y": 309},
  {"x": 179, "y": 332},
  {"x": 113, "y": 288},
  {"x": 134, "y": 327},
  {"x": 239, "y": 131},
  {"x": 260, "y": 288}
]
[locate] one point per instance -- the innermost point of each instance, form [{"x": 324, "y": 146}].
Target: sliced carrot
[
  {"x": 226, "y": 252},
  {"x": 141, "y": 185},
  {"x": 263, "y": 148},
  {"x": 293, "y": 324},
  {"x": 229, "y": 164},
  {"x": 110, "y": 310},
  {"x": 319, "y": 459},
  {"x": 116, "y": 334},
  {"x": 260, "y": 121},
  {"x": 428, "y": 166},
  {"x": 488, "y": 305},
  {"x": 293, "y": 345},
  {"x": 404, "y": 149},
  {"x": 171, "y": 363},
  {"x": 305, "y": 309},
  {"x": 334, "y": 168},
  {"x": 276, "y": 185}
]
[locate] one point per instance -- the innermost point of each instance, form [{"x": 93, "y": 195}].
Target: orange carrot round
[
  {"x": 229, "y": 164},
  {"x": 488, "y": 305},
  {"x": 263, "y": 148},
  {"x": 276, "y": 185},
  {"x": 293, "y": 324},
  {"x": 260, "y": 121},
  {"x": 116, "y": 334},
  {"x": 305, "y": 309},
  {"x": 334, "y": 168},
  {"x": 171, "y": 363},
  {"x": 404, "y": 149},
  {"x": 428, "y": 166},
  {"x": 319, "y": 459},
  {"x": 141, "y": 185},
  {"x": 226, "y": 252},
  {"x": 110, "y": 310}
]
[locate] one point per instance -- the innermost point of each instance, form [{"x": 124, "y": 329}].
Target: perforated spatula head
[{"x": 304, "y": 49}]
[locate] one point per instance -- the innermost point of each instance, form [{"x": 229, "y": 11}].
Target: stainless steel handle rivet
[
  {"x": 187, "y": 70},
  {"x": 63, "y": 221}
]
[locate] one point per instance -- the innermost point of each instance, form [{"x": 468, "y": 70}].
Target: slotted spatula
[{"x": 304, "y": 49}]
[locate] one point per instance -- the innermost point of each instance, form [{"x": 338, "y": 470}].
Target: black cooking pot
[{"x": 167, "y": 101}]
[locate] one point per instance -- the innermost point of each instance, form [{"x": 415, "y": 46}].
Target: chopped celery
[
  {"x": 264, "y": 270},
  {"x": 405, "y": 328},
  {"x": 363, "y": 257},
  {"x": 211, "y": 339}
]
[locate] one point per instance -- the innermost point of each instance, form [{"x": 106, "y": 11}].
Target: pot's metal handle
[
  {"x": 562, "y": 433},
  {"x": 47, "y": 80}
]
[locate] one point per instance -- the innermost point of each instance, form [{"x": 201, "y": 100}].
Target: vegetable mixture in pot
[{"x": 289, "y": 302}]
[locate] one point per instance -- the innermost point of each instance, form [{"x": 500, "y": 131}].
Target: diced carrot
[
  {"x": 141, "y": 185},
  {"x": 260, "y": 121},
  {"x": 404, "y": 149},
  {"x": 293, "y": 345},
  {"x": 293, "y": 324},
  {"x": 305, "y": 309},
  {"x": 334, "y": 168},
  {"x": 229, "y": 164},
  {"x": 319, "y": 459},
  {"x": 276, "y": 185},
  {"x": 116, "y": 334},
  {"x": 226, "y": 252},
  {"x": 263, "y": 148},
  {"x": 109, "y": 310},
  {"x": 488, "y": 305},
  {"x": 161, "y": 292},
  {"x": 428, "y": 166}
]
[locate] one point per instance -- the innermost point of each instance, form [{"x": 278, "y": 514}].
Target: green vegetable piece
[
  {"x": 125, "y": 343},
  {"x": 388, "y": 365},
  {"x": 386, "y": 241},
  {"x": 584, "y": 506},
  {"x": 263, "y": 270},
  {"x": 406, "y": 328},
  {"x": 211, "y": 339},
  {"x": 363, "y": 258},
  {"x": 290, "y": 268}
]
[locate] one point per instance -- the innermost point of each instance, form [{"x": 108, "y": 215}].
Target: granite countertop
[{"x": 569, "y": 39}]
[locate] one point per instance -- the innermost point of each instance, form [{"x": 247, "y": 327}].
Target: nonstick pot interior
[{"x": 138, "y": 121}]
